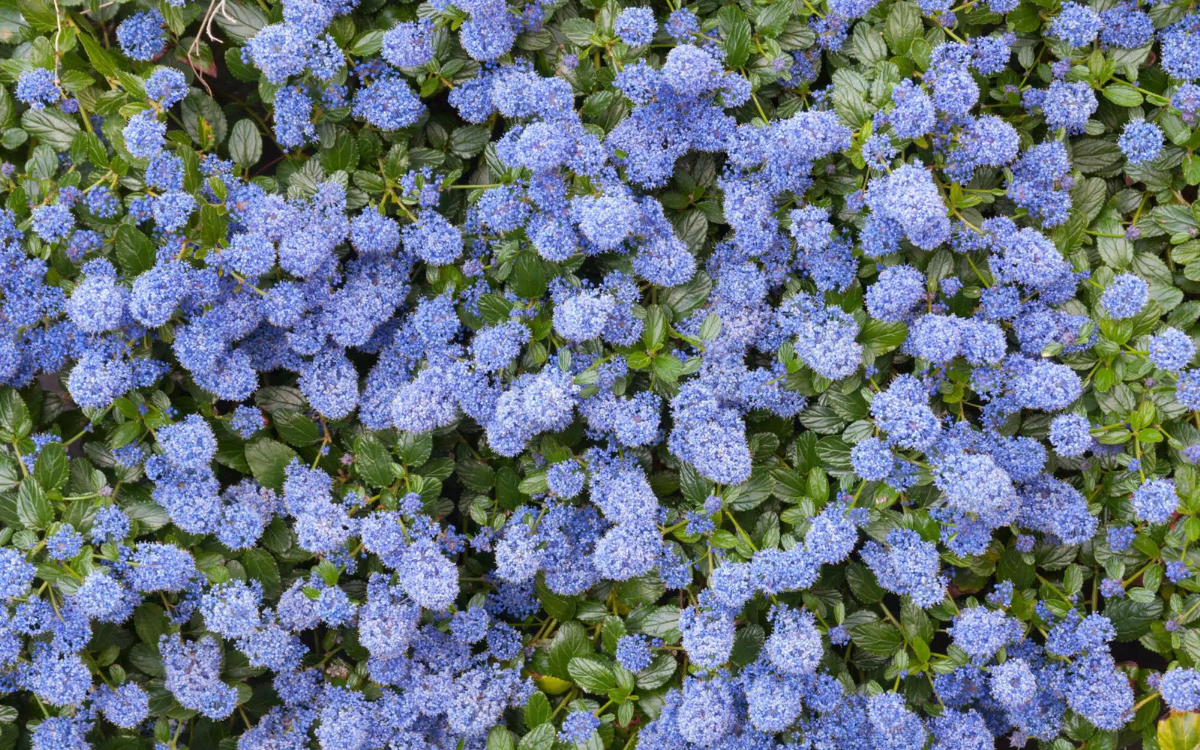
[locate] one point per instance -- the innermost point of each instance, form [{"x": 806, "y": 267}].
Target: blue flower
[
  {"x": 142, "y": 36},
  {"x": 1140, "y": 141},
  {"x": 1077, "y": 25},
  {"x": 167, "y": 86},
  {"x": 1070, "y": 434},
  {"x": 37, "y": 88},
  {"x": 1155, "y": 500},
  {"x": 1180, "y": 688},
  {"x": 636, "y": 26},
  {"x": 144, "y": 135},
  {"x": 1124, "y": 297},
  {"x": 578, "y": 726}
]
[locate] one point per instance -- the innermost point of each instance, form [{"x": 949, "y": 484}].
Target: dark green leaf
[
  {"x": 261, "y": 566},
  {"x": 1132, "y": 618},
  {"x": 500, "y": 739},
  {"x": 592, "y": 674},
  {"x": 15, "y": 422},
  {"x": 879, "y": 638},
  {"x": 658, "y": 673},
  {"x": 537, "y": 710},
  {"x": 528, "y": 276},
  {"x": 50, "y": 126},
  {"x": 296, "y": 428},
  {"x": 414, "y": 450},
  {"x": 32, "y": 505},
  {"x": 135, "y": 251},
  {"x": 540, "y": 738},
  {"x": 245, "y": 143},
  {"x": 51, "y": 468},
  {"x": 372, "y": 461},
  {"x": 863, "y": 584},
  {"x": 267, "y": 459},
  {"x": 468, "y": 141},
  {"x": 737, "y": 43},
  {"x": 570, "y": 640}
]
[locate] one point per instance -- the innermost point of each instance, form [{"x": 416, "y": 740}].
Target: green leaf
[
  {"x": 32, "y": 506},
  {"x": 773, "y": 18},
  {"x": 570, "y": 640},
  {"x": 528, "y": 276},
  {"x": 15, "y": 422},
  {"x": 508, "y": 489},
  {"x": 614, "y": 630},
  {"x": 274, "y": 399},
  {"x": 592, "y": 674},
  {"x": 493, "y": 308},
  {"x": 136, "y": 503},
  {"x": 1090, "y": 155},
  {"x": 920, "y": 649},
  {"x": 342, "y": 156},
  {"x": 372, "y": 461},
  {"x": 695, "y": 488},
  {"x": 245, "y": 143},
  {"x": 579, "y": 31},
  {"x": 367, "y": 43},
  {"x": 863, "y": 584},
  {"x": 267, "y": 459},
  {"x": 867, "y": 45},
  {"x": 881, "y": 337},
  {"x": 1179, "y": 731},
  {"x": 240, "y": 20},
  {"x": 1132, "y": 618},
  {"x": 541, "y": 738},
  {"x": 1123, "y": 95},
  {"x": 877, "y": 637},
  {"x": 644, "y": 589},
  {"x": 213, "y": 227},
  {"x": 296, "y": 428},
  {"x": 10, "y": 475},
  {"x": 150, "y": 623},
  {"x": 737, "y": 43},
  {"x": 51, "y": 469},
  {"x": 500, "y": 739},
  {"x": 537, "y": 709},
  {"x": 535, "y": 484},
  {"x": 135, "y": 251},
  {"x": 469, "y": 141},
  {"x": 43, "y": 164},
  {"x": 475, "y": 474},
  {"x": 202, "y": 117},
  {"x": 654, "y": 332},
  {"x": 101, "y": 60},
  {"x": 261, "y": 566},
  {"x": 50, "y": 126},
  {"x": 13, "y": 138},
  {"x": 661, "y": 669},
  {"x": 238, "y": 67},
  {"x": 903, "y": 26},
  {"x": 561, "y": 608},
  {"x": 414, "y": 450},
  {"x": 667, "y": 366},
  {"x": 657, "y": 622},
  {"x": 746, "y": 644}
]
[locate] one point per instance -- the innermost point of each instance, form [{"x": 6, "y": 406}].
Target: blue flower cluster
[{"x": 475, "y": 375}]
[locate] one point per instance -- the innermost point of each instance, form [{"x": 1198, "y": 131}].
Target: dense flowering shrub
[{"x": 478, "y": 375}]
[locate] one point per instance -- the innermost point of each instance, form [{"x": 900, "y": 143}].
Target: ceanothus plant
[{"x": 476, "y": 375}]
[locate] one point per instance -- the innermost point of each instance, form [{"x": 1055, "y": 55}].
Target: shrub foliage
[{"x": 487, "y": 375}]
